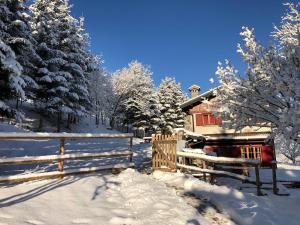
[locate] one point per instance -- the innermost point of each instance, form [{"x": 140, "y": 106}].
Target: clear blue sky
[{"x": 180, "y": 38}]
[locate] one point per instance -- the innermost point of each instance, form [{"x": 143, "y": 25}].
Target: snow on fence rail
[
  {"x": 166, "y": 157},
  {"x": 62, "y": 156}
]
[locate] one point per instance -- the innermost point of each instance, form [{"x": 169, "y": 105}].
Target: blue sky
[{"x": 180, "y": 38}]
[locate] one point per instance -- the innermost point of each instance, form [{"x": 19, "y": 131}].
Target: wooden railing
[
  {"x": 62, "y": 156},
  {"x": 213, "y": 160},
  {"x": 166, "y": 157}
]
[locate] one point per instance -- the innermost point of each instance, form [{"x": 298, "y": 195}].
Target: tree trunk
[
  {"x": 40, "y": 126},
  {"x": 69, "y": 121},
  {"x": 17, "y": 103},
  {"x": 58, "y": 121}
]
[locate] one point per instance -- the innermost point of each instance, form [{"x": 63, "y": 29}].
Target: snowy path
[
  {"x": 127, "y": 198},
  {"x": 244, "y": 207}
]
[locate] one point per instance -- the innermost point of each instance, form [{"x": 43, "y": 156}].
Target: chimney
[{"x": 194, "y": 89}]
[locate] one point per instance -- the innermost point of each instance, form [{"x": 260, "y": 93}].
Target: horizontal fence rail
[
  {"x": 214, "y": 159},
  {"x": 57, "y": 174},
  {"x": 34, "y": 136},
  {"x": 62, "y": 156}
]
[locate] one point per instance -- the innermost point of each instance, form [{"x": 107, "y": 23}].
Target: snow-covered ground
[
  {"x": 243, "y": 206},
  {"x": 128, "y": 198}
]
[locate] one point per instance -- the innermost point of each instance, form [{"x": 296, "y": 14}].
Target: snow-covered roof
[{"x": 198, "y": 98}]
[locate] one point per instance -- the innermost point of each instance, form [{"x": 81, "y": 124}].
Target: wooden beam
[
  {"x": 215, "y": 159},
  {"x": 45, "y": 136},
  {"x": 57, "y": 174},
  {"x": 217, "y": 172},
  {"x": 52, "y": 158}
]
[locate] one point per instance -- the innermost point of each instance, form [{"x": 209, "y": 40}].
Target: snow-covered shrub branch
[{"x": 269, "y": 92}]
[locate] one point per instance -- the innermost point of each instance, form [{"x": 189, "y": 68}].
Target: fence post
[
  {"x": 130, "y": 148},
  {"x": 275, "y": 189},
  {"x": 61, "y": 152},
  {"x": 204, "y": 166},
  {"x": 257, "y": 181}
]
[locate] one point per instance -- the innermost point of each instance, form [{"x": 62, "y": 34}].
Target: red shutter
[
  {"x": 212, "y": 119},
  {"x": 205, "y": 119},
  {"x": 199, "y": 121},
  {"x": 219, "y": 121}
]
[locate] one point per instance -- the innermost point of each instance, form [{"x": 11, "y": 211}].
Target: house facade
[{"x": 250, "y": 142}]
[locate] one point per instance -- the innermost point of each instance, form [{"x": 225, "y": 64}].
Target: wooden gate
[{"x": 164, "y": 152}]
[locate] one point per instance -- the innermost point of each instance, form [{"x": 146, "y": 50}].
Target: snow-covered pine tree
[
  {"x": 62, "y": 44},
  {"x": 18, "y": 59},
  {"x": 170, "y": 97},
  {"x": 155, "y": 114},
  {"x": 133, "y": 87},
  {"x": 81, "y": 63},
  {"x": 269, "y": 93}
]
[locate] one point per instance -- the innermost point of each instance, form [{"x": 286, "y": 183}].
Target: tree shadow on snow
[{"x": 51, "y": 185}]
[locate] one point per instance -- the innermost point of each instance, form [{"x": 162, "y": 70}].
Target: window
[
  {"x": 207, "y": 119},
  {"x": 251, "y": 152}
]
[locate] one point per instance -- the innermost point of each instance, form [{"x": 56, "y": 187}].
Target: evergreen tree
[
  {"x": 155, "y": 114},
  {"x": 133, "y": 87},
  {"x": 18, "y": 59},
  {"x": 62, "y": 44},
  {"x": 170, "y": 97}
]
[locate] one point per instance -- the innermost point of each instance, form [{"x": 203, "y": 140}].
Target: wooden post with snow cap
[
  {"x": 61, "y": 152},
  {"x": 274, "y": 167},
  {"x": 258, "y": 184},
  {"x": 131, "y": 148}
]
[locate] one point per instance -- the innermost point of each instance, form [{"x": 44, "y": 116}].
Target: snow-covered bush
[{"x": 269, "y": 93}]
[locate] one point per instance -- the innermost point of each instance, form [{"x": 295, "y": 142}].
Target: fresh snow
[
  {"x": 127, "y": 198},
  {"x": 243, "y": 206}
]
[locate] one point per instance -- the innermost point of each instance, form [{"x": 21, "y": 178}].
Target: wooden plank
[
  {"x": 217, "y": 172},
  {"x": 52, "y": 158},
  {"x": 215, "y": 159},
  {"x": 57, "y": 174},
  {"x": 33, "y": 136}
]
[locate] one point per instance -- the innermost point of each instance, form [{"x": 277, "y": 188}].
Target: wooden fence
[
  {"x": 165, "y": 157},
  {"x": 62, "y": 156}
]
